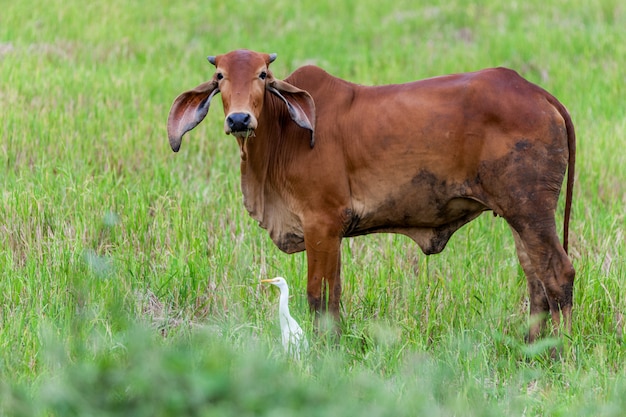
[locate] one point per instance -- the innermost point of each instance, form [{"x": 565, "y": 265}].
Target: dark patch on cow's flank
[
  {"x": 426, "y": 180},
  {"x": 424, "y": 177},
  {"x": 523, "y": 145},
  {"x": 528, "y": 191}
]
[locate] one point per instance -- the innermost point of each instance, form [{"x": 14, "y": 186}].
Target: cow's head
[{"x": 242, "y": 77}]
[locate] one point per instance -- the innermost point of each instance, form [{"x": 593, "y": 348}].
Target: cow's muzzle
[{"x": 240, "y": 124}]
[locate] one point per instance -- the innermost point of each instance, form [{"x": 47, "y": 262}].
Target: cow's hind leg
[
  {"x": 539, "y": 306},
  {"x": 549, "y": 272}
]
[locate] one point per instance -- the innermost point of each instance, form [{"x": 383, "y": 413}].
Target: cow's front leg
[{"x": 323, "y": 250}]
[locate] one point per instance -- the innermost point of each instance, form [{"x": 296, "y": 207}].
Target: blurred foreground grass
[{"x": 223, "y": 372}]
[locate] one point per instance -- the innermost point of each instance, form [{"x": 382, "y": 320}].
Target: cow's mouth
[{"x": 243, "y": 134}]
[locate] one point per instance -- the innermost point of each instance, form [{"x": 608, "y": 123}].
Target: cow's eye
[
  {"x": 219, "y": 76},
  {"x": 263, "y": 75}
]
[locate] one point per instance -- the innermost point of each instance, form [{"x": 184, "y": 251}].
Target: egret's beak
[{"x": 268, "y": 280}]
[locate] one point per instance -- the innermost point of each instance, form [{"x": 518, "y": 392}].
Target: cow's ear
[
  {"x": 188, "y": 110},
  {"x": 300, "y": 104}
]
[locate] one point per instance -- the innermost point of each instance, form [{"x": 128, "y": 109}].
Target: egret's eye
[
  {"x": 263, "y": 75},
  {"x": 220, "y": 76}
]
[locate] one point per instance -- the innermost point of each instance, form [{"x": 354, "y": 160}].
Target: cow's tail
[{"x": 571, "y": 144}]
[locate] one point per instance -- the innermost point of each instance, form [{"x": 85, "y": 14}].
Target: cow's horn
[{"x": 211, "y": 59}]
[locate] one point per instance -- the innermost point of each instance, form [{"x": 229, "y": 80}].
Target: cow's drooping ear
[
  {"x": 300, "y": 104},
  {"x": 188, "y": 110}
]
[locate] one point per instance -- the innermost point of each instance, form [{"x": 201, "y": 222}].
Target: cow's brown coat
[{"x": 420, "y": 159}]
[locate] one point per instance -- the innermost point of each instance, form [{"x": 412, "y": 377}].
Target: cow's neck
[
  {"x": 267, "y": 160},
  {"x": 253, "y": 174},
  {"x": 257, "y": 153}
]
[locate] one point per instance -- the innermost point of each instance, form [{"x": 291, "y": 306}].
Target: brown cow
[{"x": 323, "y": 159}]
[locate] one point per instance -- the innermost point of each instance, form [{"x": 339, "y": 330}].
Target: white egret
[{"x": 292, "y": 335}]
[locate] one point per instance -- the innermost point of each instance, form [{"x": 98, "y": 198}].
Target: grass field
[{"x": 130, "y": 274}]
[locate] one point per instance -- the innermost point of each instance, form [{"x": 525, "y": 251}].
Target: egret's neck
[{"x": 283, "y": 304}]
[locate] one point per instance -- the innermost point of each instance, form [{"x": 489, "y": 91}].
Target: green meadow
[{"x": 129, "y": 275}]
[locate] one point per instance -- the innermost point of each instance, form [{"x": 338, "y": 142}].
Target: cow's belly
[
  {"x": 422, "y": 200},
  {"x": 411, "y": 213},
  {"x": 427, "y": 211},
  {"x": 430, "y": 226}
]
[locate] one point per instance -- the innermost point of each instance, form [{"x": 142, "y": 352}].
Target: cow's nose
[{"x": 238, "y": 122}]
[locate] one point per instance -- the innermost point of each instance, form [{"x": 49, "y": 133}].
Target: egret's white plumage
[{"x": 292, "y": 335}]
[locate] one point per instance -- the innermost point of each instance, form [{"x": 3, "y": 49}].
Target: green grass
[{"x": 130, "y": 274}]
